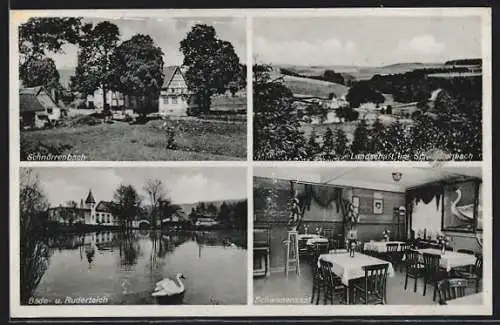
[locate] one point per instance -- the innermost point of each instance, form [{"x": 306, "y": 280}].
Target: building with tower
[{"x": 89, "y": 212}]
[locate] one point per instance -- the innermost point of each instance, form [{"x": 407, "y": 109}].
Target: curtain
[{"x": 426, "y": 217}]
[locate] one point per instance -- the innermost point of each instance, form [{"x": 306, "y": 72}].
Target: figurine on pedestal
[{"x": 295, "y": 217}]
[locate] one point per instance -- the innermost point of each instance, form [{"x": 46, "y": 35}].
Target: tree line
[
  {"x": 229, "y": 213},
  {"x": 133, "y": 67}
]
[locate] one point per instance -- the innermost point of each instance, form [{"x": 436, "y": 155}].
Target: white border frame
[{"x": 17, "y": 310}]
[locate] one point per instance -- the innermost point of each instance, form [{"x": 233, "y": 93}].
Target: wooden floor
[{"x": 297, "y": 290}]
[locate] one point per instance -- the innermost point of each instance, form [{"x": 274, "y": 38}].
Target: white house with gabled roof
[{"x": 174, "y": 95}]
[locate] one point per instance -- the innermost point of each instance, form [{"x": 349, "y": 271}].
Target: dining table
[
  {"x": 469, "y": 300},
  {"x": 350, "y": 267},
  {"x": 380, "y": 246},
  {"x": 450, "y": 259},
  {"x": 312, "y": 239}
]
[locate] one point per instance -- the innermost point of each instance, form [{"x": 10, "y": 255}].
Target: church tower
[{"x": 90, "y": 204}]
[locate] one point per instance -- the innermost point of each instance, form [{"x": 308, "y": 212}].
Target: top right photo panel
[{"x": 365, "y": 87}]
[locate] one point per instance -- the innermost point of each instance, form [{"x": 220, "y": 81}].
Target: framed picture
[
  {"x": 460, "y": 207},
  {"x": 378, "y": 206}
]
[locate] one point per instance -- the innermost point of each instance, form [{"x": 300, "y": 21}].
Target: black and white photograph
[
  {"x": 133, "y": 236},
  {"x": 132, "y": 88},
  {"x": 392, "y": 88},
  {"x": 312, "y": 246}
]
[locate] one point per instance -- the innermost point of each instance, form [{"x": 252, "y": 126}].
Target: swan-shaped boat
[
  {"x": 168, "y": 291},
  {"x": 463, "y": 212}
]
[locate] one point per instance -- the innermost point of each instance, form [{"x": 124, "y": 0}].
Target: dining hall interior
[{"x": 368, "y": 235}]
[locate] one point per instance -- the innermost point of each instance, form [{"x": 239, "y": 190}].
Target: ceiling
[{"x": 379, "y": 178}]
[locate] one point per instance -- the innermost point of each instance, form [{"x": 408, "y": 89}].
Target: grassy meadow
[{"x": 195, "y": 140}]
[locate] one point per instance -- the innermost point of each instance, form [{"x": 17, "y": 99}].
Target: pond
[{"x": 124, "y": 267}]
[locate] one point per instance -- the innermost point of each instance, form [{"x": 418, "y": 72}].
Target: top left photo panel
[{"x": 127, "y": 87}]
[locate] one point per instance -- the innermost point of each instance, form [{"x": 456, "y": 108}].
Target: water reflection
[{"x": 125, "y": 266}]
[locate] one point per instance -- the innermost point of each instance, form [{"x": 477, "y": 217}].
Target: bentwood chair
[
  {"x": 449, "y": 289},
  {"x": 474, "y": 274},
  {"x": 373, "y": 289},
  {"x": 332, "y": 286},
  {"x": 317, "y": 281},
  {"x": 432, "y": 272},
  {"x": 414, "y": 268},
  {"x": 392, "y": 250}
]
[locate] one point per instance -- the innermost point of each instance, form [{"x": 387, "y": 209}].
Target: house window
[
  {"x": 49, "y": 110},
  {"x": 108, "y": 219},
  {"x": 174, "y": 100},
  {"x": 165, "y": 100}
]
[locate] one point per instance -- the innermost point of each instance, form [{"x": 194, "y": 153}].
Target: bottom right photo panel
[{"x": 368, "y": 235}]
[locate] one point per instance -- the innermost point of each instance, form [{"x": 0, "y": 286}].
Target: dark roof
[
  {"x": 35, "y": 99},
  {"x": 104, "y": 206},
  {"x": 29, "y": 103},
  {"x": 30, "y": 90},
  {"x": 90, "y": 198},
  {"x": 169, "y": 74}
]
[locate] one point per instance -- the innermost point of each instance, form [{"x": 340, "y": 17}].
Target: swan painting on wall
[{"x": 460, "y": 210}]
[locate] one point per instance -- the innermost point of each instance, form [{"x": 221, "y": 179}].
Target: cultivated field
[
  {"x": 313, "y": 87},
  {"x": 195, "y": 140}
]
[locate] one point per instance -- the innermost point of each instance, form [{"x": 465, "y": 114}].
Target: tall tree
[
  {"x": 341, "y": 145},
  {"x": 156, "y": 193},
  {"x": 33, "y": 255},
  {"x": 211, "y": 209},
  {"x": 94, "y": 69},
  {"x": 396, "y": 142},
  {"x": 127, "y": 203},
  {"x": 328, "y": 147},
  {"x": 40, "y": 72},
  {"x": 376, "y": 134},
  {"x": 223, "y": 216},
  {"x": 212, "y": 64},
  {"x": 276, "y": 128},
  {"x": 360, "y": 142},
  {"x": 313, "y": 147},
  {"x": 41, "y": 35},
  {"x": 138, "y": 71}
]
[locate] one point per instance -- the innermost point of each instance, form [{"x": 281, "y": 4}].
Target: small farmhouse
[
  {"x": 37, "y": 108},
  {"x": 174, "y": 93}
]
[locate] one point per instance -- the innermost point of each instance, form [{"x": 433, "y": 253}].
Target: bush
[{"x": 193, "y": 111}]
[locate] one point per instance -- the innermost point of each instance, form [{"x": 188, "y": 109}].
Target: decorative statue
[
  {"x": 352, "y": 242},
  {"x": 295, "y": 215}
]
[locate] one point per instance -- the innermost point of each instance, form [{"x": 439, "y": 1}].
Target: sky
[
  {"x": 182, "y": 185},
  {"x": 365, "y": 41},
  {"x": 167, "y": 33}
]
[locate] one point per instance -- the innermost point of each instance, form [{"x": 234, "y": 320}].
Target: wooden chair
[
  {"x": 449, "y": 289},
  {"x": 332, "y": 286},
  {"x": 391, "y": 253},
  {"x": 414, "y": 268},
  {"x": 374, "y": 287},
  {"x": 432, "y": 272},
  {"x": 401, "y": 253},
  {"x": 475, "y": 274},
  {"x": 317, "y": 281},
  {"x": 329, "y": 233}
]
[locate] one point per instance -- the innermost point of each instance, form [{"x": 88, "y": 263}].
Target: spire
[{"x": 90, "y": 198}]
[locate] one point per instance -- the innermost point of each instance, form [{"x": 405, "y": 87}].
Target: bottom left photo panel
[{"x": 133, "y": 235}]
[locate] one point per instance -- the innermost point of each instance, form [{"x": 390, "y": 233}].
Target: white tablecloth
[
  {"x": 349, "y": 268},
  {"x": 380, "y": 246},
  {"x": 450, "y": 259},
  {"x": 312, "y": 238},
  {"x": 475, "y": 299}
]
